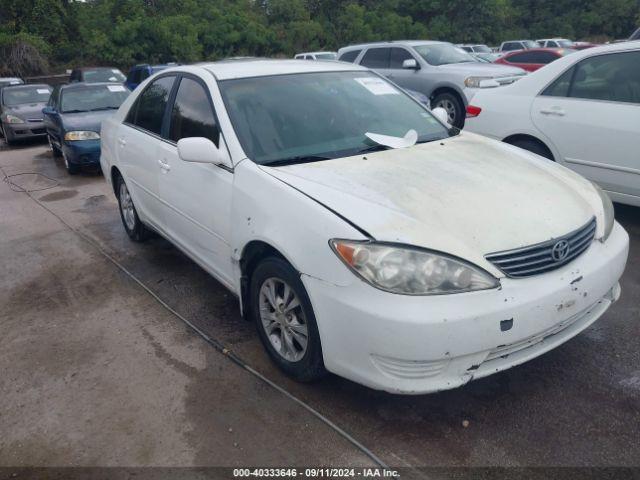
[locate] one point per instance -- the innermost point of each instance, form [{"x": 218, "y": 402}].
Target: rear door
[
  {"x": 138, "y": 144},
  {"x": 592, "y": 115},
  {"x": 196, "y": 197}
]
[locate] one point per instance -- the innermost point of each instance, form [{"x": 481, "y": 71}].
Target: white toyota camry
[{"x": 361, "y": 234}]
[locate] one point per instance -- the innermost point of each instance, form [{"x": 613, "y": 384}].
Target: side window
[
  {"x": 524, "y": 57},
  {"x": 349, "y": 56},
  {"x": 560, "y": 87},
  {"x": 509, "y": 46},
  {"x": 376, "y": 58},
  {"x": 614, "y": 77},
  {"x": 192, "y": 113},
  {"x": 398, "y": 55},
  {"x": 149, "y": 108},
  {"x": 545, "y": 57}
]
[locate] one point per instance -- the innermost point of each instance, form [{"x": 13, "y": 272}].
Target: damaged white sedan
[{"x": 362, "y": 235}]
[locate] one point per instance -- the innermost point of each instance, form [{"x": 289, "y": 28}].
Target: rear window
[
  {"x": 349, "y": 56},
  {"x": 103, "y": 75}
]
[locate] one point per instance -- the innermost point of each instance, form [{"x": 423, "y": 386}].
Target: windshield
[
  {"x": 12, "y": 81},
  {"x": 530, "y": 44},
  {"x": 481, "y": 49},
  {"x": 93, "y": 98},
  {"x": 103, "y": 75},
  {"x": 318, "y": 116},
  {"x": 25, "y": 95},
  {"x": 443, "y": 54},
  {"x": 565, "y": 43},
  {"x": 325, "y": 56}
]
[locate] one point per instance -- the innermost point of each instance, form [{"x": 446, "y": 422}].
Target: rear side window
[
  {"x": 398, "y": 56},
  {"x": 349, "y": 56},
  {"x": 532, "y": 57},
  {"x": 560, "y": 87},
  {"x": 511, "y": 46},
  {"x": 376, "y": 58},
  {"x": 192, "y": 114},
  {"x": 148, "y": 111}
]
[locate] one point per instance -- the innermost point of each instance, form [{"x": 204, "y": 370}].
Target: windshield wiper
[
  {"x": 75, "y": 111},
  {"x": 372, "y": 148},
  {"x": 295, "y": 160},
  {"x": 103, "y": 108}
]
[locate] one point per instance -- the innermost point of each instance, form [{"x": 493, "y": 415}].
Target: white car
[
  {"x": 555, "y": 43},
  {"x": 583, "y": 111},
  {"x": 361, "y": 234},
  {"x": 316, "y": 56}
]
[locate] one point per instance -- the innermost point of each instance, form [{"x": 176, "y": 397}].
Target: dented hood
[{"x": 467, "y": 196}]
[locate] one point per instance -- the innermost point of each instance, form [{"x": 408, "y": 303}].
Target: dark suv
[{"x": 140, "y": 73}]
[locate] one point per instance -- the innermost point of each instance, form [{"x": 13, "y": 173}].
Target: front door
[{"x": 196, "y": 197}]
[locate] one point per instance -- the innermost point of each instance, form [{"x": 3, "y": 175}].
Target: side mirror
[
  {"x": 203, "y": 150},
  {"x": 441, "y": 114},
  {"x": 49, "y": 110},
  {"x": 410, "y": 64}
]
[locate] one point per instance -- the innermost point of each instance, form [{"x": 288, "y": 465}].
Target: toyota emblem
[{"x": 560, "y": 251}]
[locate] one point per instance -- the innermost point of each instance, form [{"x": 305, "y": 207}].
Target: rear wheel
[
  {"x": 531, "y": 145},
  {"x": 454, "y": 107},
  {"x": 285, "y": 320},
  {"x": 130, "y": 220}
]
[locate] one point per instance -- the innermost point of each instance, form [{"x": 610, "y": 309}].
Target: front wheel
[
  {"x": 454, "y": 107},
  {"x": 285, "y": 320},
  {"x": 132, "y": 224},
  {"x": 54, "y": 150}
]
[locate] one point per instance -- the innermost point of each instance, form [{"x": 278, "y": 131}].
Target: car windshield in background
[
  {"x": 318, "y": 116},
  {"x": 530, "y": 44},
  {"x": 481, "y": 49},
  {"x": 325, "y": 56},
  {"x": 104, "y": 75},
  {"x": 443, "y": 54},
  {"x": 27, "y": 95},
  {"x": 566, "y": 43},
  {"x": 93, "y": 98}
]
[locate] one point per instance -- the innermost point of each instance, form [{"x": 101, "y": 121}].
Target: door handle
[
  {"x": 553, "y": 111},
  {"x": 122, "y": 142},
  {"x": 164, "y": 166}
]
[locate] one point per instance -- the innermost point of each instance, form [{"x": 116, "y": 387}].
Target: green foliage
[{"x": 125, "y": 32}]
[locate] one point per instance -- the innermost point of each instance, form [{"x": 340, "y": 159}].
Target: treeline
[{"x": 41, "y": 35}]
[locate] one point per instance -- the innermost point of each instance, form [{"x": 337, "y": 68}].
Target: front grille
[{"x": 540, "y": 258}]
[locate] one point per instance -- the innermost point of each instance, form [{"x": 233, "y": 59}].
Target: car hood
[
  {"x": 86, "y": 120},
  {"x": 27, "y": 111},
  {"x": 478, "y": 69},
  {"x": 468, "y": 196}
]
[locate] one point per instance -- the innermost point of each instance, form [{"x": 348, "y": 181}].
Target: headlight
[
  {"x": 12, "y": 119},
  {"x": 609, "y": 213},
  {"x": 409, "y": 271},
  {"x": 81, "y": 135},
  {"x": 474, "y": 82}
]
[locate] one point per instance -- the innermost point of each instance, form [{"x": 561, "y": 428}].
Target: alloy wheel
[
  {"x": 126, "y": 205},
  {"x": 450, "y": 108},
  {"x": 283, "y": 319}
]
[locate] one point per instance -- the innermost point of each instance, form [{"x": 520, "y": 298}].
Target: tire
[
  {"x": 287, "y": 328},
  {"x": 57, "y": 153},
  {"x": 533, "y": 146},
  {"x": 71, "y": 168},
  {"x": 454, "y": 107},
  {"x": 128, "y": 213}
]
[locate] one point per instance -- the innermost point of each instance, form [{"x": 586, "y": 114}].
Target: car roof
[
  {"x": 315, "y": 53},
  {"x": 541, "y": 49},
  {"x": 265, "y": 67},
  {"x": 82, "y": 69},
  {"x": 410, "y": 43}
]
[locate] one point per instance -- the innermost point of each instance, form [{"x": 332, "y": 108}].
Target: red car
[{"x": 534, "y": 58}]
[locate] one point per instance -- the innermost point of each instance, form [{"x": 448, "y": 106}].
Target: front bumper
[
  {"x": 18, "y": 131},
  {"x": 82, "y": 152},
  {"x": 406, "y": 344}
]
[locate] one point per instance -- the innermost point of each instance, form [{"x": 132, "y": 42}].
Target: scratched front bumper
[{"x": 414, "y": 345}]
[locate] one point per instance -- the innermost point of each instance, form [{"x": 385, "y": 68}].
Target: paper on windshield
[
  {"x": 377, "y": 86},
  {"x": 116, "y": 88},
  {"x": 409, "y": 140},
  {"x": 42, "y": 91}
]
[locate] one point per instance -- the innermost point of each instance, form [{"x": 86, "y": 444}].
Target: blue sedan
[{"x": 73, "y": 118}]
